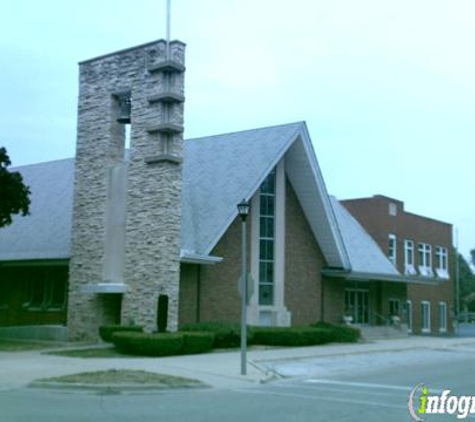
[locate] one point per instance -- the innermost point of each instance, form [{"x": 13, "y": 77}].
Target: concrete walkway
[{"x": 221, "y": 370}]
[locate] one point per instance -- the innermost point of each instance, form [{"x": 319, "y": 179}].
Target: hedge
[
  {"x": 225, "y": 334},
  {"x": 197, "y": 342},
  {"x": 143, "y": 344},
  {"x": 106, "y": 331},
  {"x": 291, "y": 336},
  {"x": 340, "y": 333}
]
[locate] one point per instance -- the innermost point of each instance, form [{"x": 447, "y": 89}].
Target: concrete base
[{"x": 36, "y": 332}]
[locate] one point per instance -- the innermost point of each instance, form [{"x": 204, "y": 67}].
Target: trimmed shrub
[
  {"x": 106, "y": 331},
  {"x": 143, "y": 344},
  {"x": 197, "y": 342},
  {"x": 291, "y": 336},
  {"x": 340, "y": 333},
  {"x": 225, "y": 334}
]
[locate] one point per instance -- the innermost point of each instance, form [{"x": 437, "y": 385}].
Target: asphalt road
[{"x": 366, "y": 387}]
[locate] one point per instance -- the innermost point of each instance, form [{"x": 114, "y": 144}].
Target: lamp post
[{"x": 243, "y": 210}]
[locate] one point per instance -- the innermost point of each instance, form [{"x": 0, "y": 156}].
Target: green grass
[
  {"x": 9, "y": 345},
  {"x": 90, "y": 352},
  {"x": 119, "y": 377}
]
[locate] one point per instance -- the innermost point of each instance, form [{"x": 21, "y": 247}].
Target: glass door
[{"x": 357, "y": 305}]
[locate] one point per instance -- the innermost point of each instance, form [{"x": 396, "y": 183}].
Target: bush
[
  {"x": 160, "y": 344},
  {"x": 106, "y": 331},
  {"x": 340, "y": 333},
  {"x": 197, "y": 342},
  {"x": 291, "y": 336},
  {"x": 225, "y": 334}
]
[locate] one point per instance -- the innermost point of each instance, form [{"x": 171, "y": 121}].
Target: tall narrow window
[
  {"x": 425, "y": 307},
  {"x": 409, "y": 257},
  {"x": 425, "y": 260},
  {"x": 392, "y": 249},
  {"x": 441, "y": 259},
  {"x": 394, "y": 307},
  {"x": 267, "y": 240},
  {"x": 442, "y": 317},
  {"x": 409, "y": 315}
]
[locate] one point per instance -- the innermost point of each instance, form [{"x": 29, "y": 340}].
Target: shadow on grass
[
  {"x": 10, "y": 345},
  {"x": 92, "y": 352}
]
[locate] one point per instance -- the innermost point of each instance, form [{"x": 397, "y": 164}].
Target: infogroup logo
[{"x": 422, "y": 403}]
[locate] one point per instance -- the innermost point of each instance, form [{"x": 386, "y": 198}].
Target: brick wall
[
  {"x": 333, "y": 300},
  {"x": 220, "y": 300},
  {"x": 303, "y": 266},
  {"x": 189, "y": 293},
  {"x": 373, "y": 214}
]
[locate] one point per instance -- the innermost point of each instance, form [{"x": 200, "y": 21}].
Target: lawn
[
  {"x": 91, "y": 352},
  {"x": 10, "y": 345}
]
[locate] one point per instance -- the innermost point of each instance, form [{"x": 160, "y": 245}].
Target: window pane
[
  {"x": 266, "y": 250},
  {"x": 266, "y": 272},
  {"x": 267, "y": 227},
  {"x": 36, "y": 293},
  {"x": 267, "y": 205},
  {"x": 58, "y": 294},
  {"x": 266, "y": 294},
  {"x": 268, "y": 186}
]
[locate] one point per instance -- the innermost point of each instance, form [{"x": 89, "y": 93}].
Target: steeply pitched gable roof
[{"x": 218, "y": 172}]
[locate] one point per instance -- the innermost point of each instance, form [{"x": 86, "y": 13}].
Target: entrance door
[{"x": 357, "y": 305}]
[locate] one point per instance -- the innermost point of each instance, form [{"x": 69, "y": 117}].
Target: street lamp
[{"x": 243, "y": 210}]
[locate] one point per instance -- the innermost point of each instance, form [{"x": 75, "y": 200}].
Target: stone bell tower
[{"x": 125, "y": 250}]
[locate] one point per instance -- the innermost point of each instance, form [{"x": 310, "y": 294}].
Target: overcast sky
[{"x": 387, "y": 88}]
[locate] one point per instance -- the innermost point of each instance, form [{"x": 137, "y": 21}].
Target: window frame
[
  {"x": 394, "y": 303},
  {"x": 409, "y": 268},
  {"x": 424, "y": 328},
  {"x": 425, "y": 259},
  {"x": 267, "y": 196},
  {"x": 409, "y": 316},
  {"x": 443, "y": 328},
  {"x": 392, "y": 248},
  {"x": 442, "y": 261}
]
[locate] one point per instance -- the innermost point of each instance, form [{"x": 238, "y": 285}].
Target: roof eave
[
  {"x": 394, "y": 278},
  {"x": 187, "y": 257}
]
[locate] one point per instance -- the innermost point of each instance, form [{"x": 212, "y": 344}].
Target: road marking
[
  {"x": 359, "y": 384},
  {"x": 343, "y": 390},
  {"x": 330, "y": 399},
  {"x": 367, "y": 385}
]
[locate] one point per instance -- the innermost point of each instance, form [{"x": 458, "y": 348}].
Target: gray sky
[{"x": 387, "y": 88}]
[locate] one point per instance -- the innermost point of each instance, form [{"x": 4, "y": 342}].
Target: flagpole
[{"x": 168, "y": 28}]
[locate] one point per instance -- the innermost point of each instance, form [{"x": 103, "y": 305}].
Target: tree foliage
[{"x": 14, "y": 195}]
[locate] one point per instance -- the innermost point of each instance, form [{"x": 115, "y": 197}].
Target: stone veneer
[{"x": 153, "y": 204}]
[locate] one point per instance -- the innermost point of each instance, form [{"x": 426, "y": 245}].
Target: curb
[
  {"x": 269, "y": 374},
  {"x": 111, "y": 388},
  {"x": 356, "y": 352}
]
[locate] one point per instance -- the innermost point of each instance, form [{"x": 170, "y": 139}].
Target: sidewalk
[{"x": 221, "y": 370}]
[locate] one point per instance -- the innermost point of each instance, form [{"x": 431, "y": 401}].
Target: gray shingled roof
[
  {"x": 46, "y": 232},
  {"x": 364, "y": 253},
  {"x": 218, "y": 172}
]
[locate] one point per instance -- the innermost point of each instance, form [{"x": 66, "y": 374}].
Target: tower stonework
[{"x": 125, "y": 248}]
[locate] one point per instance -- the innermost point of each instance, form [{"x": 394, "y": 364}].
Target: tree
[{"x": 14, "y": 195}]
